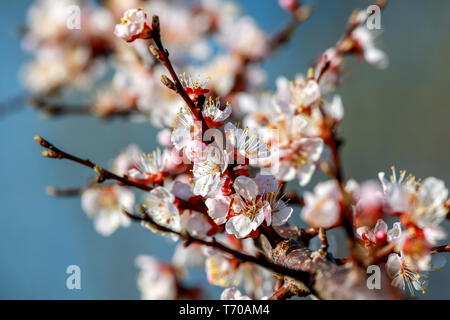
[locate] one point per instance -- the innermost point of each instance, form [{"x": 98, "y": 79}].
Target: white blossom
[
  {"x": 133, "y": 25},
  {"x": 104, "y": 204}
]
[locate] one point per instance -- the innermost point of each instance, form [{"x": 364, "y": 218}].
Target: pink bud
[
  {"x": 288, "y": 5},
  {"x": 381, "y": 236}
]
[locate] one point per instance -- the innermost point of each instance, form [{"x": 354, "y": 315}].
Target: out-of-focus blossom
[
  {"x": 104, "y": 204},
  {"x": 161, "y": 207},
  {"x": 245, "y": 37},
  {"x": 126, "y": 160},
  {"x": 190, "y": 256},
  {"x": 54, "y": 67},
  {"x": 368, "y": 202},
  {"x": 323, "y": 207},
  {"x": 219, "y": 270},
  {"x": 328, "y": 69},
  {"x": 156, "y": 280},
  {"x": 195, "y": 223},
  {"x": 163, "y": 137},
  {"x": 299, "y": 159},
  {"x": 365, "y": 44},
  {"x": 334, "y": 109},
  {"x": 232, "y": 294},
  {"x": 288, "y": 5}
]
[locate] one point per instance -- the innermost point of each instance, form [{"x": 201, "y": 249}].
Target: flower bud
[
  {"x": 288, "y": 5},
  {"x": 168, "y": 83},
  {"x": 133, "y": 26}
]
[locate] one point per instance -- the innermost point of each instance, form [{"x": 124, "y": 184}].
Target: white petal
[
  {"x": 218, "y": 208},
  {"x": 239, "y": 225},
  {"x": 246, "y": 188},
  {"x": 266, "y": 183},
  {"x": 393, "y": 265},
  {"x": 282, "y": 215}
]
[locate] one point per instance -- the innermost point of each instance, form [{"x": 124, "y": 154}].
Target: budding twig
[
  {"x": 260, "y": 260},
  {"x": 54, "y": 152},
  {"x": 163, "y": 55},
  {"x": 64, "y": 192},
  {"x": 444, "y": 248}
]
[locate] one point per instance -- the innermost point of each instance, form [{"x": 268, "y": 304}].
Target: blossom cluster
[{"x": 232, "y": 156}]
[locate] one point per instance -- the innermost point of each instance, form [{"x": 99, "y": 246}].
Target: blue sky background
[{"x": 395, "y": 116}]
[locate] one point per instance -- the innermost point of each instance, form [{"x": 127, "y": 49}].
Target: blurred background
[{"x": 398, "y": 116}]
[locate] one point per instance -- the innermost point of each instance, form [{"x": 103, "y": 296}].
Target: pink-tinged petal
[
  {"x": 182, "y": 190},
  {"x": 281, "y": 215},
  {"x": 266, "y": 183},
  {"x": 232, "y": 294},
  {"x": 260, "y": 216},
  {"x": 246, "y": 188},
  {"x": 398, "y": 282},
  {"x": 393, "y": 265},
  {"x": 380, "y": 226},
  {"x": 267, "y": 214},
  {"x": 305, "y": 172},
  {"x": 218, "y": 208},
  {"x": 106, "y": 222},
  {"x": 286, "y": 172},
  {"x": 239, "y": 225}
]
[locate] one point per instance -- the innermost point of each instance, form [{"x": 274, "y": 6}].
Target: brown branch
[
  {"x": 260, "y": 260},
  {"x": 333, "y": 143},
  {"x": 283, "y": 35},
  {"x": 330, "y": 279},
  {"x": 53, "y": 109},
  {"x": 56, "y": 153},
  {"x": 163, "y": 55},
  {"x": 281, "y": 294},
  {"x": 444, "y": 248},
  {"x": 64, "y": 192}
]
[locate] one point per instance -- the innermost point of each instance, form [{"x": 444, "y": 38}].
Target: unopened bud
[
  {"x": 155, "y": 22},
  {"x": 168, "y": 83},
  {"x": 51, "y": 191},
  {"x": 49, "y": 154},
  {"x": 38, "y": 139},
  {"x": 302, "y": 13},
  {"x": 155, "y": 52},
  {"x": 42, "y": 141},
  {"x": 288, "y": 5},
  {"x": 98, "y": 169}
]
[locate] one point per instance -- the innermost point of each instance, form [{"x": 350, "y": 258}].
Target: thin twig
[
  {"x": 260, "y": 260},
  {"x": 64, "y": 192},
  {"x": 281, "y": 294},
  {"x": 444, "y": 248},
  {"x": 164, "y": 57},
  {"x": 56, "y": 153}
]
